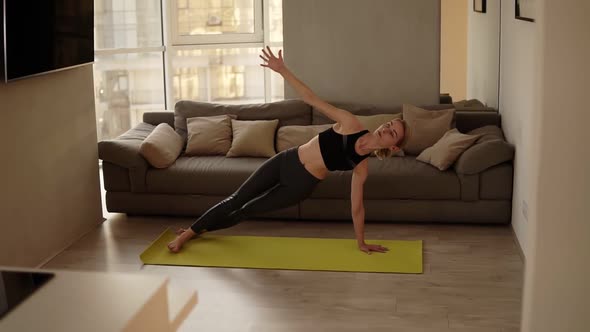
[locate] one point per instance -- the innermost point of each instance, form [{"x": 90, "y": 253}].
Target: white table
[{"x": 91, "y": 301}]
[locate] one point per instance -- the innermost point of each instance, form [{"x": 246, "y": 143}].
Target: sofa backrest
[
  {"x": 155, "y": 118},
  {"x": 288, "y": 112},
  {"x": 296, "y": 112},
  {"x": 465, "y": 119},
  {"x": 364, "y": 109}
]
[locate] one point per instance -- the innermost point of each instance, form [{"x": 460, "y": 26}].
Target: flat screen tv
[{"x": 39, "y": 37}]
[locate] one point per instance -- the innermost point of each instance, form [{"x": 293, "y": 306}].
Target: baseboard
[
  {"x": 520, "y": 251},
  {"x": 59, "y": 251}
]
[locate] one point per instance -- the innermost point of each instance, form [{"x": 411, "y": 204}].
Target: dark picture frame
[
  {"x": 524, "y": 10},
  {"x": 479, "y": 6}
]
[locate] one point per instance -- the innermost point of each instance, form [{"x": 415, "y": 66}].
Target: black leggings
[{"x": 280, "y": 182}]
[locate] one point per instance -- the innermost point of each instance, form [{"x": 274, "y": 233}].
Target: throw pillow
[
  {"x": 488, "y": 133},
  {"x": 489, "y": 150},
  {"x": 292, "y": 136},
  {"x": 253, "y": 138},
  {"x": 427, "y": 127},
  {"x": 162, "y": 146},
  {"x": 446, "y": 151},
  {"x": 372, "y": 122},
  {"x": 209, "y": 135}
]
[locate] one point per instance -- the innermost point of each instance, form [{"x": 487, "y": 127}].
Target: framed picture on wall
[
  {"x": 479, "y": 6},
  {"x": 525, "y": 10}
]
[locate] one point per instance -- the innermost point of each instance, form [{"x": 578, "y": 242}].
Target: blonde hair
[
  {"x": 383, "y": 153},
  {"x": 386, "y": 152}
]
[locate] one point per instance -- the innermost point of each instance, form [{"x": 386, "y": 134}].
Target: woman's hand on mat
[
  {"x": 368, "y": 248},
  {"x": 272, "y": 62}
]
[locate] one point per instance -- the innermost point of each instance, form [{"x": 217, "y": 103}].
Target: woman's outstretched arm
[{"x": 308, "y": 96}]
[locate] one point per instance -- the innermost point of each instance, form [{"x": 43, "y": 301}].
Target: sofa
[{"x": 477, "y": 188}]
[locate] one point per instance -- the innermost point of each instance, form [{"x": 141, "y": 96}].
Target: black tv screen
[{"x": 45, "y": 36}]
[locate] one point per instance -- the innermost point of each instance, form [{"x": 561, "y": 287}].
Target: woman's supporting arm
[{"x": 359, "y": 175}]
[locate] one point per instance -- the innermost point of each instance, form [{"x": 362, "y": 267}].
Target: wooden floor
[{"x": 472, "y": 280}]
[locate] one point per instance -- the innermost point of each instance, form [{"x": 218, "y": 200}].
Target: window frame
[{"x": 227, "y": 38}]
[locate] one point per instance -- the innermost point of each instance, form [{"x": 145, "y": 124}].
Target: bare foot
[{"x": 176, "y": 245}]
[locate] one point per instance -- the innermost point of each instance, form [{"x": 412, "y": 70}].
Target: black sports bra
[{"x": 338, "y": 150}]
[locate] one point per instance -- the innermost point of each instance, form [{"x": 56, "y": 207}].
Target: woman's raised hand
[{"x": 271, "y": 61}]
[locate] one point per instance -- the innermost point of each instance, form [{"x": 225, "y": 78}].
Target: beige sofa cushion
[
  {"x": 427, "y": 127},
  {"x": 162, "y": 146},
  {"x": 253, "y": 138},
  {"x": 209, "y": 135},
  {"x": 444, "y": 153},
  {"x": 204, "y": 175},
  {"x": 372, "y": 122},
  {"x": 292, "y": 136}
]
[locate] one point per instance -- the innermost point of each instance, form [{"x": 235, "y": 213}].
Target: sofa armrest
[
  {"x": 484, "y": 155},
  {"x": 123, "y": 151}
]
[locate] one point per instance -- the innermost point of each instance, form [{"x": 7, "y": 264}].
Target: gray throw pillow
[{"x": 489, "y": 150}]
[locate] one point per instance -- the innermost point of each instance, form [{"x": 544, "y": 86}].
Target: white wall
[
  {"x": 50, "y": 192},
  {"x": 483, "y": 56},
  {"x": 453, "y": 48},
  {"x": 518, "y": 75},
  {"x": 380, "y": 52},
  {"x": 557, "y": 291}
]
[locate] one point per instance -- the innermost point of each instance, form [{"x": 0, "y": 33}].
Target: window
[
  {"x": 210, "y": 53},
  {"x": 215, "y": 21},
  {"x": 224, "y": 75},
  {"x": 128, "y": 66}
]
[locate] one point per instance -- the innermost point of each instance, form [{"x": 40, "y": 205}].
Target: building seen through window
[{"x": 206, "y": 57}]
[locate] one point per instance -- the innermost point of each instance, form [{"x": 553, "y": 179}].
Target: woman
[{"x": 290, "y": 176}]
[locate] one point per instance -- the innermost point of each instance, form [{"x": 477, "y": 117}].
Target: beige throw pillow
[
  {"x": 253, "y": 138},
  {"x": 209, "y": 135},
  {"x": 162, "y": 146},
  {"x": 372, "y": 122},
  {"x": 427, "y": 127},
  {"x": 446, "y": 151},
  {"x": 292, "y": 136}
]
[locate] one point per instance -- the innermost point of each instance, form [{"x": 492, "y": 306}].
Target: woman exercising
[{"x": 291, "y": 175}]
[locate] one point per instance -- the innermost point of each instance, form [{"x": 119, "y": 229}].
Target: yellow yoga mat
[{"x": 288, "y": 253}]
